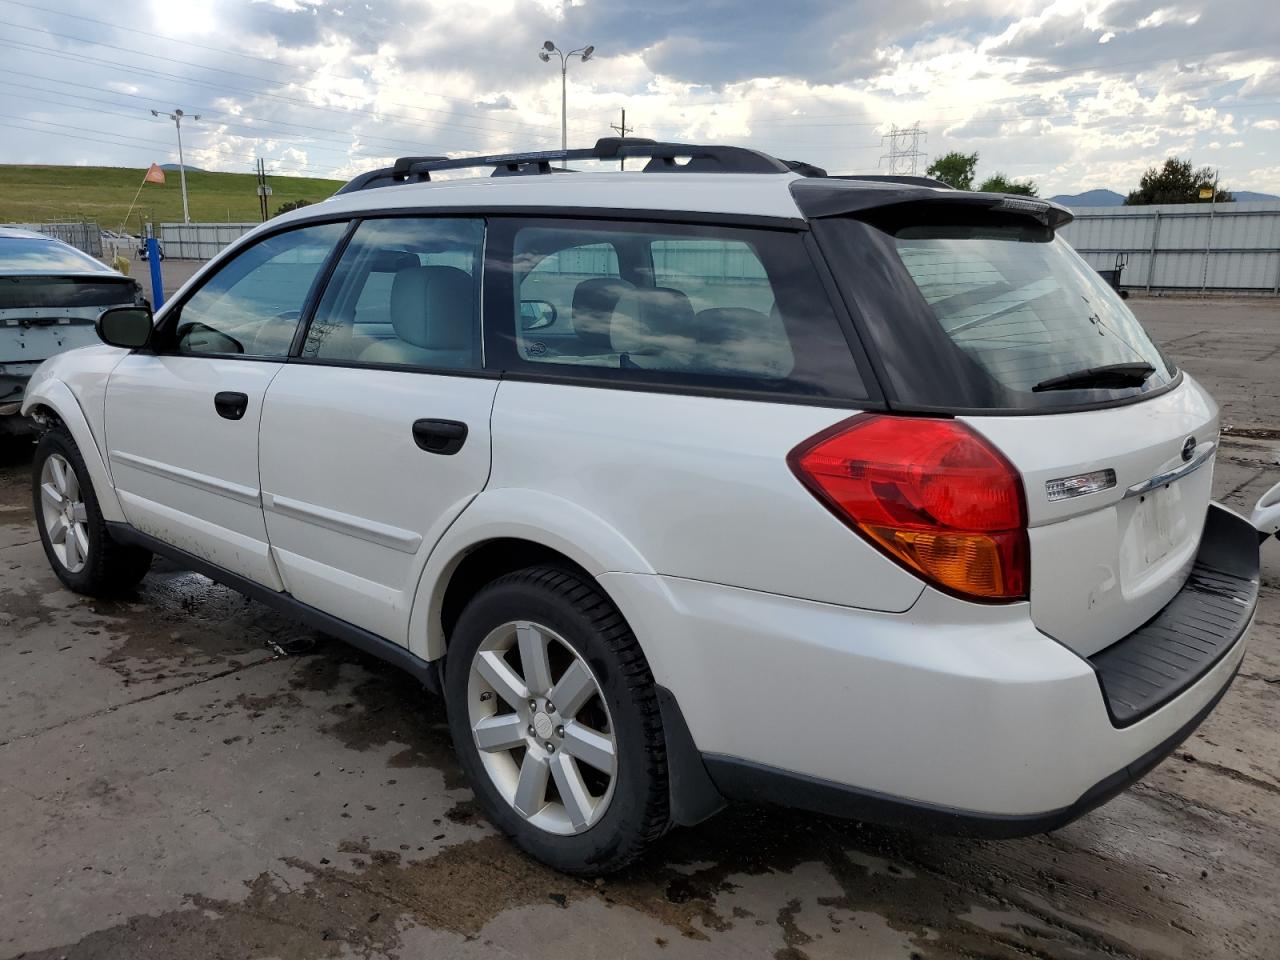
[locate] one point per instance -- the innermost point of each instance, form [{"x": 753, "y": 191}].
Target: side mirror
[
  {"x": 128, "y": 327},
  {"x": 536, "y": 314}
]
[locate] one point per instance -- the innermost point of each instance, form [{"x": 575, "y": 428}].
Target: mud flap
[{"x": 694, "y": 797}]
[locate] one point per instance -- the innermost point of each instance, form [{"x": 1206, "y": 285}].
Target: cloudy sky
[{"x": 1076, "y": 94}]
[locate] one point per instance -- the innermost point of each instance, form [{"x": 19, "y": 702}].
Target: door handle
[
  {"x": 445, "y": 437},
  {"x": 230, "y": 405}
]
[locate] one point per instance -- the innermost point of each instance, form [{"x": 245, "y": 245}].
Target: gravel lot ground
[{"x": 173, "y": 788}]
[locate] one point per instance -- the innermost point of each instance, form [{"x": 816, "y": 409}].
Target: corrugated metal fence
[
  {"x": 80, "y": 234},
  {"x": 199, "y": 241},
  {"x": 1185, "y": 247}
]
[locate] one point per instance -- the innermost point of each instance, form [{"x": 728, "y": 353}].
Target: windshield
[
  {"x": 23, "y": 255},
  {"x": 1025, "y": 307}
]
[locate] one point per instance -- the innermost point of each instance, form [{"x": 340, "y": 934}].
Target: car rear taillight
[{"x": 932, "y": 494}]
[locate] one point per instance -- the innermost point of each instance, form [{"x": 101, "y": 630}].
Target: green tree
[
  {"x": 999, "y": 183},
  {"x": 954, "y": 169},
  {"x": 1175, "y": 182},
  {"x": 291, "y": 205}
]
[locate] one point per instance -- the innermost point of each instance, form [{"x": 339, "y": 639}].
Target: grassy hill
[{"x": 31, "y": 194}]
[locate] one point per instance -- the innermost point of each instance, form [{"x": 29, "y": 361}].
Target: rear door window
[{"x": 674, "y": 304}]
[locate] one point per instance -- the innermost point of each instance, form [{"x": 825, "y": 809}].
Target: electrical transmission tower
[{"x": 902, "y": 149}]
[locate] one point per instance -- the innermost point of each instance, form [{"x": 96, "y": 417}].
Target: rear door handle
[
  {"x": 445, "y": 437},
  {"x": 230, "y": 405}
]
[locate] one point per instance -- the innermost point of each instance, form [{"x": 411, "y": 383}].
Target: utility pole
[
  {"x": 623, "y": 130},
  {"x": 903, "y": 151},
  {"x": 264, "y": 191},
  {"x": 176, "y": 117}
]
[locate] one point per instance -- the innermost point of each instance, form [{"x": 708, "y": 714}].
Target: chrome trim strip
[
  {"x": 1204, "y": 455},
  {"x": 384, "y": 535},
  {"x": 201, "y": 481}
]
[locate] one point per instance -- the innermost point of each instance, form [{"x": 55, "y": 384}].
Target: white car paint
[
  {"x": 786, "y": 638},
  {"x": 354, "y": 509},
  {"x": 951, "y": 703},
  {"x": 183, "y": 473},
  {"x": 1266, "y": 515},
  {"x": 1105, "y": 563}
]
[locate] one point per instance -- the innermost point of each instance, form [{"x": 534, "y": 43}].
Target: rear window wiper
[{"x": 1110, "y": 375}]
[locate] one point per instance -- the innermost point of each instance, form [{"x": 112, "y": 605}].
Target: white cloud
[{"x": 1076, "y": 93}]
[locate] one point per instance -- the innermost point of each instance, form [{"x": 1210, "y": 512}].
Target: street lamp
[
  {"x": 176, "y": 117},
  {"x": 583, "y": 54}
]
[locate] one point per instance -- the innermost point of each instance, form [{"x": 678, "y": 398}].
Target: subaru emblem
[{"x": 1188, "y": 449}]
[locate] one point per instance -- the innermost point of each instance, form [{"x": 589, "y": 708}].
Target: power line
[
  {"x": 221, "y": 50},
  {"x": 256, "y": 78},
  {"x": 145, "y": 72},
  {"x": 259, "y": 133}
]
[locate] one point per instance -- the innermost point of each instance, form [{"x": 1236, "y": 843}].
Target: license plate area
[{"x": 1159, "y": 523}]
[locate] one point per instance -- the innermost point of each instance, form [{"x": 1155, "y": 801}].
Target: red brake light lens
[{"x": 932, "y": 494}]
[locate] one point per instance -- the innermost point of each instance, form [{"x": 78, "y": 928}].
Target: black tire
[
  {"x": 572, "y": 606},
  {"x": 112, "y": 568}
]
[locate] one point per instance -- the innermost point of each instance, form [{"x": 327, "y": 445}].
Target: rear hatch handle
[{"x": 1266, "y": 515}]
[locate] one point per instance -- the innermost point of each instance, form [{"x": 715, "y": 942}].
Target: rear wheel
[
  {"x": 72, "y": 529},
  {"x": 555, "y": 719}
]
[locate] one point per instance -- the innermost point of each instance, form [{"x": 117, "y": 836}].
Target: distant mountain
[
  {"x": 173, "y": 167},
  {"x": 1109, "y": 198},
  {"x": 1090, "y": 198}
]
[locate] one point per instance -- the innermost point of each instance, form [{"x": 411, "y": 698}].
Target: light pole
[
  {"x": 176, "y": 117},
  {"x": 583, "y": 54}
]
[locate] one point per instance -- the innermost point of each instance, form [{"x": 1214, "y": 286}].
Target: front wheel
[
  {"x": 72, "y": 529},
  {"x": 555, "y": 720}
]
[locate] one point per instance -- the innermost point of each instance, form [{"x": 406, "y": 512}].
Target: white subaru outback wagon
[{"x": 719, "y": 479}]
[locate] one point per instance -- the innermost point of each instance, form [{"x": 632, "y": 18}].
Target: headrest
[
  {"x": 593, "y": 304},
  {"x": 745, "y": 341},
  {"x": 649, "y": 321},
  {"x": 433, "y": 307}
]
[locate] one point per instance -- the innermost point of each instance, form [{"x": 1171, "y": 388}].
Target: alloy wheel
[
  {"x": 66, "y": 520},
  {"x": 542, "y": 727}
]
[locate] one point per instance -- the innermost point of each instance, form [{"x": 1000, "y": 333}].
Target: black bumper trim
[
  {"x": 1173, "y": 650},
  {"x": 753, "y": 782}
]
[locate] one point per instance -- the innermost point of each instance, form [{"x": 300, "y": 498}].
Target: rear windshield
[
  {"x": 1023, "y": 305},
  {"x": 992, "y": 314},
  {"x": 25, "y": 255}
]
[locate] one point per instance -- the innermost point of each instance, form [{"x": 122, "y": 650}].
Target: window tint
[
  {"x": 708, "y": 306},
  {"x": 1024, "y": 306},
  {"x": 252, "y": 305},
  {"x": 406, "y": 293}
]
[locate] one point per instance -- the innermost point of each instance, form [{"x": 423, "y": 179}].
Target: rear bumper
[
  {"x": 953, "y": 716},
  {"x": 1169, "y": 653},
  {"x": 743, "y": 780}
]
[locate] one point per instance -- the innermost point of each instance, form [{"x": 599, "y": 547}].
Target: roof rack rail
[{"x": 662, "y": 159}]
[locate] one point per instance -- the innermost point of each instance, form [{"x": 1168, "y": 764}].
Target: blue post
[{"x": 157, "y": 285}]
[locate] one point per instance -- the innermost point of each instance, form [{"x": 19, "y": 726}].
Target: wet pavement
[{"x": 173, "y": 787}]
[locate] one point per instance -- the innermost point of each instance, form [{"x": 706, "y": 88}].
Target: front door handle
[
  {"x": 445, "y": 437},
  {"x": 230, "y": 405}
]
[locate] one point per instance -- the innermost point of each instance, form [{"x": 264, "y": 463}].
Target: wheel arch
[
  {"x": 500, "y": 528},
  {"x": 51, "y": 402}
]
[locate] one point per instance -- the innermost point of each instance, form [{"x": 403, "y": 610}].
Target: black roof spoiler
[{"x": 842, "y": 196}]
